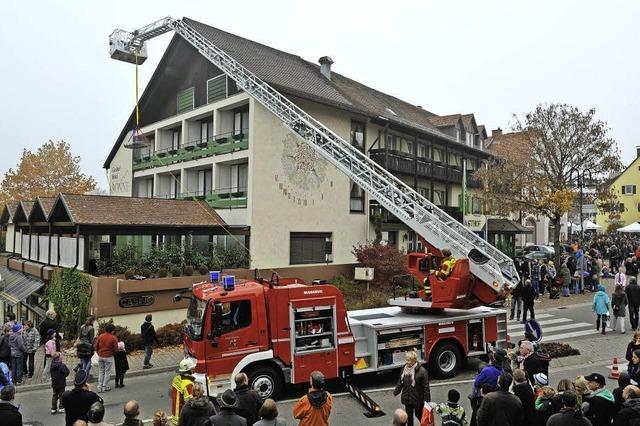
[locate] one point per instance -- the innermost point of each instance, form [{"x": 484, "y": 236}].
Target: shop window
[
  {"x": 310, "y": 247},
  {"x": 236, "y": 315}
]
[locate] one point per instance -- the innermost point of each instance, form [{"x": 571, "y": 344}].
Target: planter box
[{"x": 158, "y": 284}]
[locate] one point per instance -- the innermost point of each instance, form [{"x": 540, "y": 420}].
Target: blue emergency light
[
  {"x": 214, "y": 276},
  {"x": 229, "y": 282}
]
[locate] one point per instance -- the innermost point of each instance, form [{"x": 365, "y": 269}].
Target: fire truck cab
[{"x": 279, "y": 332}]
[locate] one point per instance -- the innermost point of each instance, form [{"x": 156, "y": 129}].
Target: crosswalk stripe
[
  {"x": 571, "y": 326},
  {"x": 542, "y": 323},
  {"x": 538, "y": 316},
  {"x": 568, "y": 335}
]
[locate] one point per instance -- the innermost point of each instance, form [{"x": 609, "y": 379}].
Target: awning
[
  {"x": 506, "y": 226},
  {"x": 16, "y": 286}
]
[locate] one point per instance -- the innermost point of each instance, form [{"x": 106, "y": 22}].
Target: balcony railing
[
  {"x": 222, "y": 144},
  {"x": 221, "y": 197}
]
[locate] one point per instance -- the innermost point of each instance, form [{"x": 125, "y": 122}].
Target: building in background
[{"x": 626, "y": 209}]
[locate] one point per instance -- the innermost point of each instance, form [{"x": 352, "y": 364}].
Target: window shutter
[
  {"x": 623, "y": 188},
  {"x": 217, "y": 88},
  {"x": 634, "y": 189},
  {"x": 185, "y": 100}
]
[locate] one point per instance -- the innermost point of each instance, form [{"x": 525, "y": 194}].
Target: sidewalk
[{"x": 163, "y": 359}]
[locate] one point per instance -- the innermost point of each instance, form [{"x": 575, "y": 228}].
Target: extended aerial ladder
[{"x": 487, "y": 264}]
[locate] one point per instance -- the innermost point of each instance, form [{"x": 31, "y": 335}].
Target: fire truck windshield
[{"x": 195, "y": 318}]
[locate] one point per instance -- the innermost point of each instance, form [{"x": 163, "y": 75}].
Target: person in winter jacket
[
  {"x": 314, "y": 408},
  {"x": 619, "y": 304},
  {"x": 96, "y": 415},
  {"x": 9, "y": 413},
  {"x": 122, "y": 364},
  {"x": 413, "y": 387},
  {"x": 501, "y": 408},
  {"x": 50, "y": 323},
  {"x": 563, "y": 386},
  {"x": 564, "y": 278},
  {"x": 49, "y": 350},
  {"x": 600, "y": 307},
  {"x": 623, "y": 381},
  {"x": 106, "y": 347},
  {"x": 633, "y": 345},
  {"x": 523, "y": 390},
  {"x": 31, "y": 340},
  {"x": 5, "y": 375},
  {"x": 269, "y": 414},
  {"x": 149, "y": 337},
  {"x": 570, "y": 414},
  {"x": 633, "y": 296},
  {"x": 629, "y": 414},
  {"x": 85, "y": 344},
  {"x": 516, "y": 299},
  {"x": 544, "y": 404},
  {"x": 528, "y": 297},
  {"x": 227, "y": 415},
  {"x": 78, "y": 400},
  {"x": 16, "y": 343},
  {"x": 5, "y": 346},
  {"x": 599, "y": 407},
  {"x": 489, "y": 374},
  {"x": 451, "y": 413},
  {"x": 248, "y": 399},
  {"x": 59, "y": 373},
  {"x": 198, "y": 409},
  {"x": 633, "y": 368},
  {"x": 529, "y": 361}
]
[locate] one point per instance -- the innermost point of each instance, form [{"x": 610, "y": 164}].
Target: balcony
[
  {"x": 193, "y": 150},
  {"x": 402, "y": 163},
  {"x": 221, "y": 198}
]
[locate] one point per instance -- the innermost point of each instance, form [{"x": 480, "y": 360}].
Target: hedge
[{"x": 168, "y": 335}]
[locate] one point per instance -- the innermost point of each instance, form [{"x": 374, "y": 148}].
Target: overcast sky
[{"x": 492, "y": 58}]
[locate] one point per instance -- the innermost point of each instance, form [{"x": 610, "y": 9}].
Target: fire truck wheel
[
  {"x": 445, "y": 361},
  {"x": 265, "y": 380}
]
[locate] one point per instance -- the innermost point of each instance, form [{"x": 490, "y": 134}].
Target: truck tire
[
  {"x": 445, "y": 361},
  {"x": 265, "y": 380}
]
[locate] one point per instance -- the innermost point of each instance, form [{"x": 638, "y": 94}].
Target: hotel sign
[{"x": 136, "y": 300}]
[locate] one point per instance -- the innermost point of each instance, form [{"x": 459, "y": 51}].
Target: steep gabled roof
[
  {"x": 22, "y": 211},
  {"x": 41, "y": 209},
  {"x": 445, "y": 120},
  {"x": 297, "y": 77},
  {"x": 8, "y": 212}
]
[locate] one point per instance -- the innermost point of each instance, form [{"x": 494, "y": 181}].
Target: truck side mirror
[{"x": 217, "y": 319}]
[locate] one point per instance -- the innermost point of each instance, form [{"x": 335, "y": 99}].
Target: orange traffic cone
[{"x": 614, "y": 370}]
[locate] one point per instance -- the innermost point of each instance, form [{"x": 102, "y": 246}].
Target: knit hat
[
  {"x": 453, "y": 396},
  {"x": 16, "y": 327},
  {"x": 541, "y": 379},
  {"x": 50, "y": 332}
]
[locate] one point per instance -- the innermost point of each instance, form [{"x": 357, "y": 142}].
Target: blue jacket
[
  {"x": 5, "y": 374},
  {"x": 488, "y": 375},
  {"x": 600, "y": 303}
]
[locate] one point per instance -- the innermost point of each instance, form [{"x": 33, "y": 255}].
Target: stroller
[{"x": 554, "y": 289}]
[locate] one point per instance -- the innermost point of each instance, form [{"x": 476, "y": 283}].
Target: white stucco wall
[
  {"x": 289, "y": 196},
  {"x": 120, "y": 175}
]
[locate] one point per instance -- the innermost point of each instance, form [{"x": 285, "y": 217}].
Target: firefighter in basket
[{"x": 446, "y": 267}]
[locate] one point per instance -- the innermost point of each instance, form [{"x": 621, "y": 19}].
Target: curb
[{"x": 136, "y": 373}]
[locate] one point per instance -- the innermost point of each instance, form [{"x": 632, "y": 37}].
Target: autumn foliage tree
[
  {"x": 45, "y": 173},
  {"x": 385, "y": 259},
  {"x": 535, "y": 168}
]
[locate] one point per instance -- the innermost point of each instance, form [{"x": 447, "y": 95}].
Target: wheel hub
[{"x": 264, "y": 386}]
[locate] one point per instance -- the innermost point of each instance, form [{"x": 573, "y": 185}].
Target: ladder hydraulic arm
[{"x": 488, "y": 264}]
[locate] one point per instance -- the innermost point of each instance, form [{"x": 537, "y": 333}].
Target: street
[{"x": 571, "y": 324}]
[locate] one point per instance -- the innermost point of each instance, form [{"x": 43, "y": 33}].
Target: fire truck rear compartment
[{"x": 383, "y": 336}]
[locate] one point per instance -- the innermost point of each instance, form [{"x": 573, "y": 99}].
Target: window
[
  {"x": 358, "y": 135},
  {"x": 628, "y": 189},
  {"x": 621, "y": 207},
  {"x": 206, "y": 130},
  {"x": 310, "y": 247},
  {"x": 437, "y": 155},
  {"x": 240, "y": 121},
  {"x": 423, "y": 191},
  {"x": 392, "y": 142},
  {"x": 185, "y": 100},
  {"x": 410, "y": 147},
  {"x": 422, "y": 151},
  {"x": 454, "y": 160},
  {"x": 639, "y": 207},
  {"x": 176, "y": 136},
  {"x": 356, "y": 199},
  {"x": 438, "y": 197},
  {"x": 204, "y": 181},
  {"x": 476, "y": 205},
  {"x": 174, "y": 186},
  {"x": 236, "y": 315}
]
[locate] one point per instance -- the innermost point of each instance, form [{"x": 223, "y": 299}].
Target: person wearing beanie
[
  {"x": 122, "y": 364},
  {"x": 79, "y": 400},
  {"x": 16, "y": 343},
  {"x": 451, "y": 412},
  {"x": 59, "y": 373}
]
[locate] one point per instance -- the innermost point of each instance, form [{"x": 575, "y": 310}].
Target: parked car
[{"x": 538, "y": 252}]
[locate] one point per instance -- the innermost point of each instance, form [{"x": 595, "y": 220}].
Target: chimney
[
  {"x": 497, "y": 133},
  {"x": 419, "y": 106},
  {"x": 325, "y": 66},
  {"x": 637, "y": 151}
]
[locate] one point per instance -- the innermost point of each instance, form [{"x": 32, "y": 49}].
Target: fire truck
[{"x": 279, "y": 331}]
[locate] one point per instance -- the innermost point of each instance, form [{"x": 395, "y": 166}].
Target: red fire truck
[{"x": 278, "y": 332}]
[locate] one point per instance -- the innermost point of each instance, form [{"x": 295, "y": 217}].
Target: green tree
[{"x": 70, "y": 292}]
